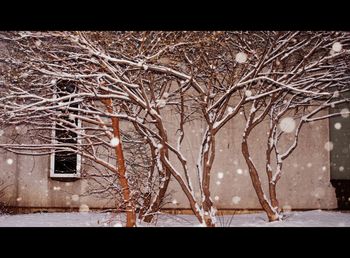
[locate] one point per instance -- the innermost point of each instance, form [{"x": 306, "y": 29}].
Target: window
[{"x": 65, "y": 164}]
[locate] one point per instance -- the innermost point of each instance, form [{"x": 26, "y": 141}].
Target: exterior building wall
[{"x": 305, "y": 183}]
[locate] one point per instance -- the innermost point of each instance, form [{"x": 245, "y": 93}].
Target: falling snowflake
[
  {"x": 165, "y": 95},
  {"x": 337, "y": 47},
  {"x": 337, "y": 126},
  {"x": 114, "y": 141},
  {"x": 38, "y": 43},
  {"x": 1, "y": 132},
  {"x": 341, "y": 168},
  {"x": 248, "y": 93},
  {"x": 161, "y": 103},
  {"x": 287, "y": 124},
  {"x": 21, "y": 129},
  {"x": 344, "y": 112},
  {"x": 336, "y": 94},
  {"x": 220, "y": 175},
  {"x": 218, "y": 182},
  {"x": 239, "y": 171},
  {"x": 328, "y": 146},
  {"x": 241, "y": 57},
  {"x": 56, "y": 188},
  {"x": 324, "y": 168},
  {"x": 230, "y": 109},
  {"x": 174, "y": 202},
  {"x": 19, "y": 199},
  {"x": 236, "y": 199},
  {"x": 309, "y": 165},
  {"x": 84, "y": 208},
  {"x": 159, "y": 146},
  {"x": 71, "y": 117},
  {"x": 216, "y": 198},
  {"x": 75, "y": 197},
  {"x": 9, "y": 161},
  {"x": 319, "y": 192}
]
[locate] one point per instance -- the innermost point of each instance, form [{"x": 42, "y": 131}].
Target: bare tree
[
  {"x": 136, "y": 77},
  {"x": 309, "y": 71}
]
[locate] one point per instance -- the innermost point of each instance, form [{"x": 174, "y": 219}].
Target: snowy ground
[{"x": 316, "y": 218}]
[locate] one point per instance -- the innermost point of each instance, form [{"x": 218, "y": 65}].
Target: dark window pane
[{"x": 65, "y": 161}]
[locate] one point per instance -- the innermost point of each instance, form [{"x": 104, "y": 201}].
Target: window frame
[{"x": 77, "y": 174}]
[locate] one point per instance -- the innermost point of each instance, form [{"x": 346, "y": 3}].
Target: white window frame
[{"x": 52, "y": 155}]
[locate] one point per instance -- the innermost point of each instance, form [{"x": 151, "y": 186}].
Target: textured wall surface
[{"x": 305, "y": 183}]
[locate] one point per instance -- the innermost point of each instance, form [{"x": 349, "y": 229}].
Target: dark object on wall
[{"x": 342, "y": 190}]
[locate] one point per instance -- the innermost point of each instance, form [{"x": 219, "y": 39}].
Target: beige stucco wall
[{"x": 305, "y": 183}]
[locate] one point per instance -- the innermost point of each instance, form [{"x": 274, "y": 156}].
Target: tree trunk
[
  {"x": 130, "y": 209},
  {"x": 273, "y": 196},
  {"x": 208, "y": 159},
  {"x": 272, "y": 214},
  {"x": 155, "y": 206}
]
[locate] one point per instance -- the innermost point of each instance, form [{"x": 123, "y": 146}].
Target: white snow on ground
[{"x": 315, "y": 218}]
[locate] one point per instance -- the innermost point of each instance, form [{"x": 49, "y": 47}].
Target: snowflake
[
  {"x": 337, "y": 126},
  {"x": 324, "y": 168},
  {"x": 336, "y": 94},
  {"x": 341, "y": 168},
  {"x": 165, "y": 95},
  {"x": 309, "y": 165},
  {"x": 241, "y": 57},
  {"x": 287, "y": 124},
  {"x": 220, "y": 175},
  {"x": 236, "y": 199},
  {"x": 319, "y": 192},
  {"x": 75, "y": 197},
  {"x": 174, "y": 202},
  {"x": 328, "y": 146},
  {"x": 216, "y": 198},
  {"x": 239, "y": 171},
  {"x": 19, "y": 199},
  {"x": 1, "y": 132},
  {"x": 9, "y": 161},
  {"x": 218, "y": 182},
  {"x": 159, "y": 146},
  {"x": 71, "y": 117},
  {"x": 56, "y": 188},
  {"x": 248, "y": 93},
  {"x": 230, "y": 109},
  {"x": 161, "y": 103},
  {"x": 38, "y": 43},
  {"x": 114, "y": 142},
  {"x": 21, "y": 129},
  {"x": 337, "y": 47},
  {"x": 344, "y": 112}
]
